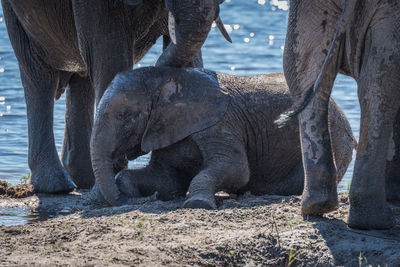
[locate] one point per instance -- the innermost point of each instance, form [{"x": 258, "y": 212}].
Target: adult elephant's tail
[{"x": 322, "y": 87}]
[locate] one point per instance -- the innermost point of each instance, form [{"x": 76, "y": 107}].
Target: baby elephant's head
[{"x": 149, "y": 109}]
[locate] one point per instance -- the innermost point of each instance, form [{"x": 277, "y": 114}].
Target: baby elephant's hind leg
[{"x": 145, "y": 182}]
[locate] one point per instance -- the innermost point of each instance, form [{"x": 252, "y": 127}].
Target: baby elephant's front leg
[
  {"x": 202, "y": 191},
  {"x": 227, "y": 175}
]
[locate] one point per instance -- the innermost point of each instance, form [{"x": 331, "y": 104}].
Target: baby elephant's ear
[
  {"x": 132, "y": 2},
  {"x": 181, "y": 110}
]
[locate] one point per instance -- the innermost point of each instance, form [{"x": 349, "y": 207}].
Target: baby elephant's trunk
[{"x": 342, "y": 140}]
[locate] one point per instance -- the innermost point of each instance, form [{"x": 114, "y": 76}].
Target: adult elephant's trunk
[
  {"x": 102, "y": 146},
  {"x": 189, "y": 24}
]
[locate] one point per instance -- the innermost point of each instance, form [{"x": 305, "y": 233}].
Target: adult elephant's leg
[
  {"x": 105, "y": 40},
  {"x": 369, "y": 209},
  {"x": 320, "y": 193},
  {"x": 40, "y": 82},
  {"x": 393, "y": 163},
  {"x": 311, "y": 28},
  {"x": 326, "y": 154},
  {"x": 320, "y": 150},
  {"x": 48, "y": 175},
  {"x": 310, "y": 31},
  {"x": 78, "y": 128},
  {"x": 379, "y": 97}
]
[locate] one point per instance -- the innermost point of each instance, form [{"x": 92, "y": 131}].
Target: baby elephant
[{"x": 208, "y": 131}]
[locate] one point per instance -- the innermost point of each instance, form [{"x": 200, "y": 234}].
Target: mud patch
[{"x": 18, "y": 191}]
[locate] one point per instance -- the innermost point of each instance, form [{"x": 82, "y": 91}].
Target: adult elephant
[
  {"x": 82, "y": 44},
  {"x": 359, "y": 38}
]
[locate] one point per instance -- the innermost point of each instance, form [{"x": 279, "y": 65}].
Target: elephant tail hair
[{"x": 296, "y": 108}]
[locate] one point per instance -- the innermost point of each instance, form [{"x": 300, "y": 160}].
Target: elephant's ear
[
  {"x": 181, "y": 110},
  {"x": 132, "y": 2}
]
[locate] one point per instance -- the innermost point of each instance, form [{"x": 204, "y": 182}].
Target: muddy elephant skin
[
  {"x": 207, "y": 132},
  {"x": 80, "y": 45},
  {"x": 361, "y": 39}
]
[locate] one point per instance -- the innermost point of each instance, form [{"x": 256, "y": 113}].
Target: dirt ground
[{"x": 244, "y": 231}]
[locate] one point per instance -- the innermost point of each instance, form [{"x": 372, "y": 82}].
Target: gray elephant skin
[
  {"x": 360, "y": 39},
  {"x": 80, "y": 45},
  {"x": 207, "y": 131}
]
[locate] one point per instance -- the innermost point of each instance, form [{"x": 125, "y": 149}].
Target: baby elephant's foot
[
  {"x": 126, "y": 184},
  {"x": 200, "y": 202}
]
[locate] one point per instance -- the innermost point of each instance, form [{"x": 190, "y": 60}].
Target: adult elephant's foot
[
  {"x": 371, "y": 216},
  {"x": 200, "y": 202},
  {"x": 52, "y": 179},
  {"x": 80, "y": 170},
  {"x": 317, "y": 203}
]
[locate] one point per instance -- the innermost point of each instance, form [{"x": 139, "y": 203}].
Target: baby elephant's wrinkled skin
[{"x": 207, "y": 131}]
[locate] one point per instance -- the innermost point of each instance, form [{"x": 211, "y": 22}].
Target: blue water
[{"x": 257, "y": 28}]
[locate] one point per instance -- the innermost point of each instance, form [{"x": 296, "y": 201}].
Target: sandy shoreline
[{"x": 246, "y": 231}]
